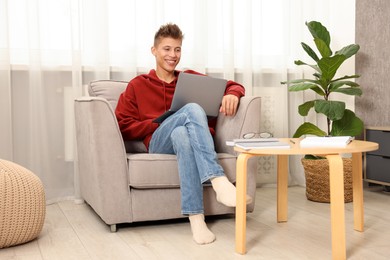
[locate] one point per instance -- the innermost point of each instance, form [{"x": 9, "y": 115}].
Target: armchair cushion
[{"x": 156, "y": 171}]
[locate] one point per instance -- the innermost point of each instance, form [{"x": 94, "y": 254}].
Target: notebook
[
  {"x": 263, "y": 145},
  {"x": 250, "y": 140},
  {"x": 192, "y": 88},
  {"x": 325, "y": 141}
]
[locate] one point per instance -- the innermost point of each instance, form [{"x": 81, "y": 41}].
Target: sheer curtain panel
[{"x": 50, "y": 50}]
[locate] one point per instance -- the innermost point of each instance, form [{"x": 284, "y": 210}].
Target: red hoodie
[{"x": 146, "y": 98}]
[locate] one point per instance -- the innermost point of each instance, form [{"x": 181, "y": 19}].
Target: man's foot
[
  {"x": 226, "y": 191},
  {"x": 201, "y": 234}
]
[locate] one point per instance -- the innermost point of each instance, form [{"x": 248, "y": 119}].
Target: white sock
[
  {"x": 200, "y": 233},
  {"x": 226, "y": 191}
]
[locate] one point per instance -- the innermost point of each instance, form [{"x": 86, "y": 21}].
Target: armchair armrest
[
  {"x": 102, "y": 160},
  {"x": 247, "y": 119}
]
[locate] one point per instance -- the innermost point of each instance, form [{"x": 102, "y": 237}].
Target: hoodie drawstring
[{"x": 165, "y": 97}]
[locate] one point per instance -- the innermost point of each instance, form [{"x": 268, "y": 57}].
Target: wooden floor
[{"x": 74, "y": 231}]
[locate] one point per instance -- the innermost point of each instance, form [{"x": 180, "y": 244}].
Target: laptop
[{"x": 192, "y": 88}]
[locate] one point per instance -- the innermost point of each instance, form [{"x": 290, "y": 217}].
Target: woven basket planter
[{"x": 317, "y": 179}]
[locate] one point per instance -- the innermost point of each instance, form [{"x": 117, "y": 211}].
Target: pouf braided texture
[{"x": 22, "y": 204}]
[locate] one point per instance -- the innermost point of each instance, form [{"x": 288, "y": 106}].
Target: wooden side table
[{"x": 356, "y": 148}]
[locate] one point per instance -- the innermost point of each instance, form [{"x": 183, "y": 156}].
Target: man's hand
[{"x": 229, "y": 105}]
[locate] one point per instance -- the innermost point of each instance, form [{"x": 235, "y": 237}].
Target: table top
[{"x": 355, "y": 146}]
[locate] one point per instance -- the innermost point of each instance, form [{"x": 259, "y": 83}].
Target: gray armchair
[{"x": 123, "y": 183}]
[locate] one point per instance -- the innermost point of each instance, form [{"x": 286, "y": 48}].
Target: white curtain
[{"x": 50, "y": 49}]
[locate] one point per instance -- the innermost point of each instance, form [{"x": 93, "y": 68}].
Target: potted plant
[{"x": 340, "y": 120}]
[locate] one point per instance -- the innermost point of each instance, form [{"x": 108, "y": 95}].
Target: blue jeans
[{"x": 186, "y": 134}]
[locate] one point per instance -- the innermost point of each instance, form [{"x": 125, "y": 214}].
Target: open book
[{"x": 325, "y": 141}]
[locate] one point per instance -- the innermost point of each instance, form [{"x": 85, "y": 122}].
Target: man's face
[{"x": 167, "y": 53}]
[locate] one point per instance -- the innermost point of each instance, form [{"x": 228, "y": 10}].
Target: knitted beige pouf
[{"x": 22, "y": 204}]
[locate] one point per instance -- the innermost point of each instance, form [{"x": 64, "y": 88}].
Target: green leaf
[
  {"x": 308, "y": 129},
  {"x": 305, "y": 107},
  {"x": 306, "y": 86},
  {"x": 334, "y": 110},
  {"x": 323, "y": 48},
  {"x": 299, "y": 81},
  {"x": 349, "y": 50},
  {"x": 350, "y": 91},
  {"x": 317, "y": 30},
  {"x": 318, "y": 90},
  {"x": 301, "y": 86},
  {"x": 317, "y": 75},
  {"x": 337, "y": 84},
  {"x": 346, "y": 77},
  {"x": 310, "y": 51},
  {"x": 330, "y": 65},
  {"x": 299, "y": 62},
  {"x": 349, "y": 125}
]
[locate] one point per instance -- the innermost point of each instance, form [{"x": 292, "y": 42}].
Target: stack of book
[
  {"x": 258, "y": 143},
  {"x": 325, "y": 141}
]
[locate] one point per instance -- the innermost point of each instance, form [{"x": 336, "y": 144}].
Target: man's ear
[{"x": 153, "y": 50}]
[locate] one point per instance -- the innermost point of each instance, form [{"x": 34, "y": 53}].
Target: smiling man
[{"x": 187, "y": 133}]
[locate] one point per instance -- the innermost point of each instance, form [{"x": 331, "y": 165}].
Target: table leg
[
  {"x": 336, "y": 178},
  {"x": 241, "y": 179},
  {"x": 282, "y": 186},
  {"x": 357, "y": 186}
]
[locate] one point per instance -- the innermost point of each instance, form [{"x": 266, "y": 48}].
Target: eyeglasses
[{"x": 261, "y": 135}]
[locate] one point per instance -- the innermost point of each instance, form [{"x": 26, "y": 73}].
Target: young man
[{"x": 187, "y": 133}]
